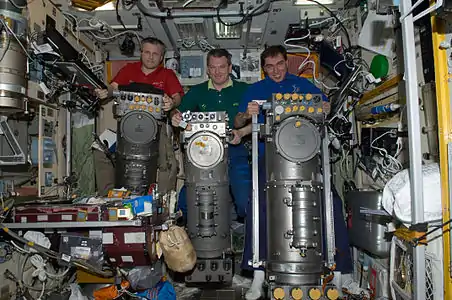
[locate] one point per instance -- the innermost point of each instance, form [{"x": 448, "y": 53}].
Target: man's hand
[
  {"x": 101, "y": 94},
  {"x": 176, "y": 119},
  {"x": 168, "y": 103},
  {"x": 241, "y": 119},
  {"x": 237, "y": 137},
  {"x": 252, "y": 109}
]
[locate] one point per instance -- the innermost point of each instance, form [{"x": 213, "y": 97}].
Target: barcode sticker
[{"x": 23, "y": 220}]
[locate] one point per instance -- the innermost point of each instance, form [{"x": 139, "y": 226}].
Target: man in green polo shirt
[{"x": 221, "y": 93}]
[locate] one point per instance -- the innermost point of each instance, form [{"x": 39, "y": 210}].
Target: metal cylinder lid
[
  {"x": 205, "y": 150},
  {"x": 139, "y": 127},
  {"x": 297, "y": 140}
]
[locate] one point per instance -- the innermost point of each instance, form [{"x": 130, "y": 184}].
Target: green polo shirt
[{"x": 204, "y": 98}]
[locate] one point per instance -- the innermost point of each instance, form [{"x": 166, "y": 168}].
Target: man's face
[
  {"x": 218, "y": 70},
  {"x": 276, "y": 67},
  {"x": 151, "y": 56}
]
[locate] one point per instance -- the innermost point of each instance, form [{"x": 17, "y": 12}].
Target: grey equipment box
[{"x": 367, "y": 231}]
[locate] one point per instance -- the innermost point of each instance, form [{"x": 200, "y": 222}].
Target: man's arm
[
  {"x": 189, "y": 102},
  {"x": 244, "y": 131},
  {"x": 241, "y": 119},
  {"x": 107, "y": 94},
  {"x": 177, "y": 98}
]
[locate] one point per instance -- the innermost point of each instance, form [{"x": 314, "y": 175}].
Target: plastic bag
[
  {"x": 76, "y": 293},
  {"x": 142, "y": 278},
  {"x": 164, "y": 290},
  {"x": 178, "y": 251}
]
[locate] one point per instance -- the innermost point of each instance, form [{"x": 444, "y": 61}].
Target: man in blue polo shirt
[{"x": 277, "y": 80}]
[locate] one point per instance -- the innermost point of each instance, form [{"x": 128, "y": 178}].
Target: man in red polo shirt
[{"x": 149, "y": 71}]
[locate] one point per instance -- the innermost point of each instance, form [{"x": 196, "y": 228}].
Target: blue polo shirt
[{"x": 263, "y": 90}]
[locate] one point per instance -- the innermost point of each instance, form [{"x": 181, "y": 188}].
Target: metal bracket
[
  {"x": 18, "y": 157},
  {"x": 328, "y": 198}
]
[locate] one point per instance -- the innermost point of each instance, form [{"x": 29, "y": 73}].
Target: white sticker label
[
  {"x": 43, "y": 218},
  {"x": 112, "y": 260},
  {"x": 95, "y": 234},
  {"x": 66, "y": 217},
  {"x": 134, "y": 238},
  {"x": 23, "y": 220},
  {"x": 127, "y": 259},
  {"x": 107, "y": 238}
]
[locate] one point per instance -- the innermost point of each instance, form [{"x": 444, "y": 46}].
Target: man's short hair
[
  {"x": 153, "y": 41},
  {"x": 219, "y": 53},
  {"x": 273, "y": 51}
]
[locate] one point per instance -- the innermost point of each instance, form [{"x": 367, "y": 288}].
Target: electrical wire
[
  {"x": 17, "y": 6},
  {"x": 254, "y": 12},
  {"x": 337, "y": 19}
]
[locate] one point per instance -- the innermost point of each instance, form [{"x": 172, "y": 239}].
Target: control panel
[
  {"x": 44, "y": 149},
  {"x": 133, "y": 101},
  {"x": 309, "y": 105},
  {"x": 216, "y": 122}
]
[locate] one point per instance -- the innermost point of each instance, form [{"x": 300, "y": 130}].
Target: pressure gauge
[{"x": 279, "y": 109}]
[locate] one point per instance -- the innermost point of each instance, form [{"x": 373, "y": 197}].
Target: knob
[
  {"x": 332, "y": 294},
  {"x": 315, "y": 294},
  {"x": 296, "y": 293},
  {"x": 278, "y": 293}
]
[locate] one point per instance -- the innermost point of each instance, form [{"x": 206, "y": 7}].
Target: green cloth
[
  {"x": 202, "y": 99},
  {"x": 83, "y": 160}
]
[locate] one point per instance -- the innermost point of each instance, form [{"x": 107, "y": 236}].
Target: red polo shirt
[{"x": 161, "y": 78}]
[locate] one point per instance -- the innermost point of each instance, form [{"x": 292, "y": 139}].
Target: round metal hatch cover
[
  {"x": 205, "y": 150},
  {"x": 297, "y": 140},
  {"x": 139, "y": 127}
]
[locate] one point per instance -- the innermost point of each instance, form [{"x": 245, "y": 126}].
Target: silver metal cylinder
[
  {"x": 294, "y": 204},
  {"x": 208, "y": 196},
  {"x": 208, "y": 199},
  {"x": 13, "y": 59},
  {"x": 137, "y": 152}
]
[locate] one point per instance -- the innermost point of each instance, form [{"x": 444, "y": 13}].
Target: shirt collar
[{"x": 211, "y": 87}]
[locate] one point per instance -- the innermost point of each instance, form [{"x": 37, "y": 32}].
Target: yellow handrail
[{"x": 444, "y": 133}]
